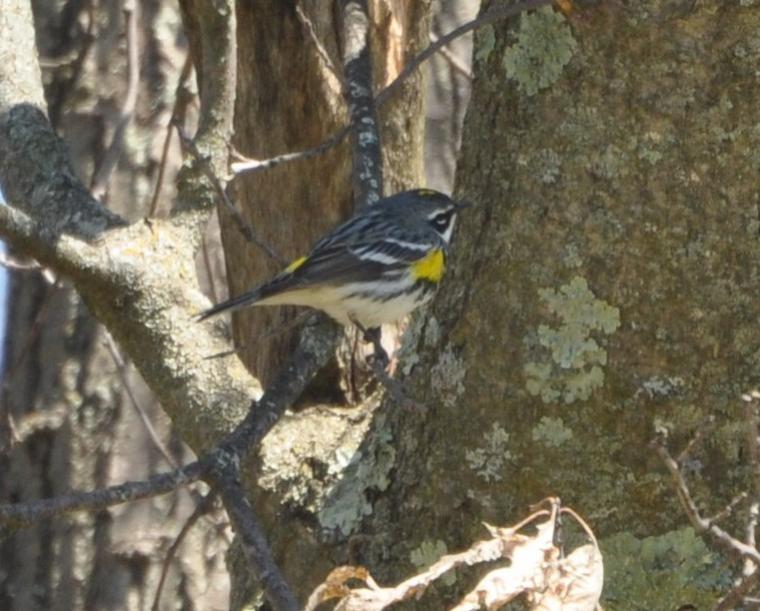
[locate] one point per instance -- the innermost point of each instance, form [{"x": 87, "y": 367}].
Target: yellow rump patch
[
  {"x": 430, "y": 267},
  {"x": 426, "y": 192},
  {"x": 295, "y": 265}
]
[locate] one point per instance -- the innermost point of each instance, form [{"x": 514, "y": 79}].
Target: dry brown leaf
[
  {"x": 536, "y": 569},
  {"x": 573, "y": 583}
]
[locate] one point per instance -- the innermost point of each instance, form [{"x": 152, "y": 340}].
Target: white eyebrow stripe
[
  {"x": 376, "y": 256},
  {"x": 409, "y": 245},
  {"x": 444, "y": 213}
]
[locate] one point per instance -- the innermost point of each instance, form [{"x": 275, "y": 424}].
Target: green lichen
[
  {"x": 544, "y": 47},
  {"x": 488, "y": 460},
  {"x": 662, "y": 386},
  {"x": 663, "y": 572},
  {"x": 485, "y": 41},
  {"x": 324, "y": 463},
  {"x": 447, "y": 377},
  {"x": 367, "y": 469},
  {"x": 427, "y": 554},
  {"x": 551, "y": 432},
  {"x": 573, "y": 369}
]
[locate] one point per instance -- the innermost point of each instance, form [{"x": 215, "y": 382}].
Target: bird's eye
[{"x": 442, "y": 220}]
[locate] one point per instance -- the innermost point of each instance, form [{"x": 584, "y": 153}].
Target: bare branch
[
  {"x": 225, "y": 477},
  {"x": 700, "y": 523},
  {"x": 200, "y": 510},
  {"x": 35, "y": 239},
  {"x": 331, "y": 71},
  {"x": 20, "y": 77},
  {"x": 243, "y": 226},
  {"x": 694, "y": 442},
  {"x": 357, "y": 67},
  {"x": 736, "y": 596},
  {"x": 34, "y": 167},
  {"x": 247, "y": 164},
  {"x": 211, "y": 27},
  {"x": 750, "y": 401},
  {"x": 312, "y": 353},
  {"x": 728, "y": 510},
  {"x": 182, "y": 99},
  {"x": 458, "y": 66},
  {"x": 24, "y": 514},
  {"x": 102, "y": 177},
  {"x": 121, "y": 367},
  {"x": 493, "y": 15}
]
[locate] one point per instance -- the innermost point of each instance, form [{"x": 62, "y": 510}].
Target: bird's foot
[{"x": 378, "y": 363}]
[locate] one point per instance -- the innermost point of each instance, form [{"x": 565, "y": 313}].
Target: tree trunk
[
  {"x": 604, "y": 284},
  {"x": 65, "y": 411}
]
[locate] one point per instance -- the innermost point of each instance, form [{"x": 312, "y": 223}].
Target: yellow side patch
[
  {"x": 430, "y": 267},
  {"x": 295, "y": 265}
]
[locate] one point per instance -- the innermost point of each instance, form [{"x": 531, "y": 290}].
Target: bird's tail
[{"x": 231, "y": 305}]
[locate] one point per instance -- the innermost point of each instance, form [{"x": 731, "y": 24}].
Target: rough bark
[
  {"x": 74, "y": 423},
  {"x": 604, "y": 284}
]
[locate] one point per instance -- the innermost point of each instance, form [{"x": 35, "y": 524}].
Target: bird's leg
[
  {"x": 379, "y": 361},
  {"x": 374, "y": 335}
]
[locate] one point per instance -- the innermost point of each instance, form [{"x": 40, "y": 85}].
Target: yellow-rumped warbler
[{"x": 376, "y": 267}]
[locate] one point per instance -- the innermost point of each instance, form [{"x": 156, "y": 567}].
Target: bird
[{"x": 375, "y": 268}]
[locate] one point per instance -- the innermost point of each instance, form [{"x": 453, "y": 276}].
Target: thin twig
[
  {"x": 493, "y": 15},
  {"x": 25, "y": 514},
  {"x": 182, "y": 99},
  {"x": 100, "y": 181},
  {"x": 13, "y": 264},
  {"x": 277, "y": 330},
  {"x": 321, "y": 51},
  {"x": 201, "y": 509},
  {"x": 750, "y": 414},
  {"x": 313, "y": 351},
  {"x": 246, "y": 164},
  {"x": 728, "y": 510},
  {"x": 737, "y": 595},
  {"x": 121, "y": 367},
  {"x": 243, "y": 226},
  {"x": 702, "y": 430},
  {"x": 458, "y": 66},
  {"x": 692, "y": 512}
]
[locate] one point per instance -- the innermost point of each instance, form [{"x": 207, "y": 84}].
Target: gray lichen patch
[
  {"x": 368, "y": 468},
  {"x": 544, "y": 47},
  {"x": 488, "y": 460},
  {"x": 447, "y": 377},
  {"x": 551, "y": 432},
  {"x": 573, "y": 366},
  {"x": 321, "y": 462}
]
